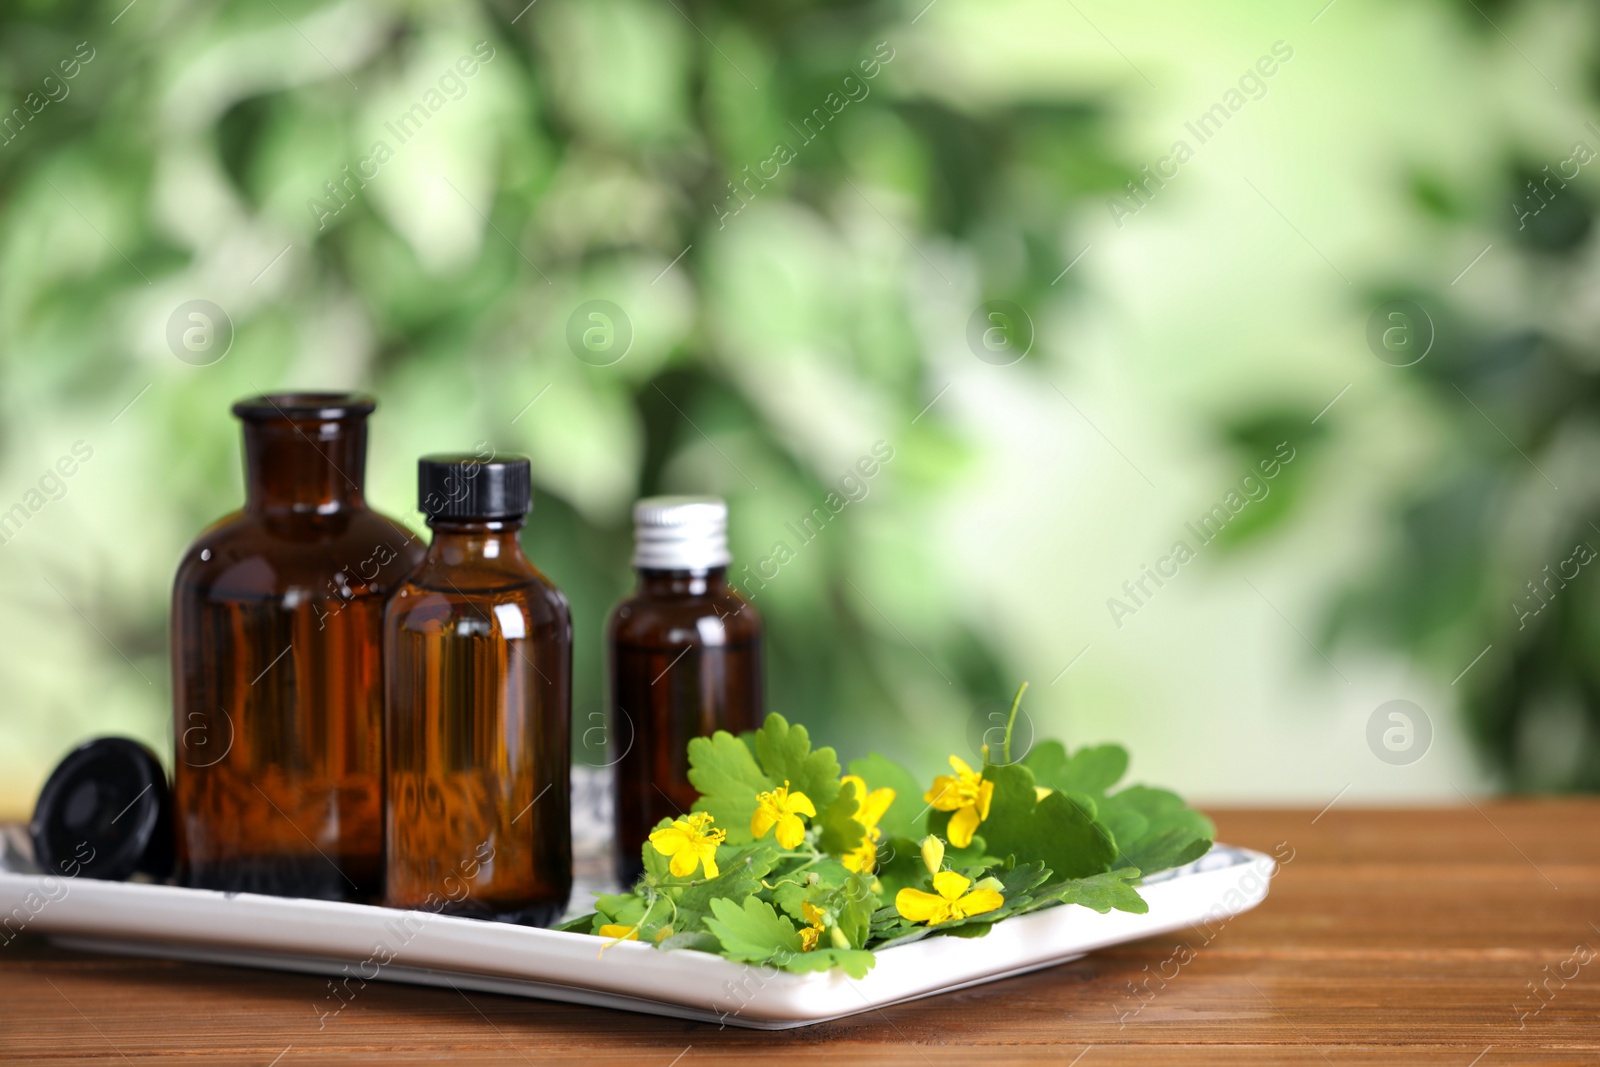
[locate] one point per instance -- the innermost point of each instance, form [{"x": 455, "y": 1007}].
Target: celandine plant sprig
[{"x": 790, "y": 860}]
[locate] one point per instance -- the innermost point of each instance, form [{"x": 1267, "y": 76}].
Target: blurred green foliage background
[{"x": 796, "y": 215}]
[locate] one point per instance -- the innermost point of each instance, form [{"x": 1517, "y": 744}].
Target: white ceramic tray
[{"x": 355, "y": 944}]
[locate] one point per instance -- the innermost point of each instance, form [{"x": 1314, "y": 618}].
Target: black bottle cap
[
  {"x": 304, "y": 407},
  {"x": 105, "y": 812},
  {"x": 466, "y": 486}
]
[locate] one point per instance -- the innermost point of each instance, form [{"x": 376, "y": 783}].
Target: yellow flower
[
  {"x": 967, "y": 794},
  {"x": 809, "y": 936},
  {"x": 782, "y": 809},
  {"x": 870, "y": 808},
  {"x": 932, "y": 853},
  {"x": 691, "y": 843},
  {"x": 619, "y": 933},
  {"x": 949, "y": 901}
]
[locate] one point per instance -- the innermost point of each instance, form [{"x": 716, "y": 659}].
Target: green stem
[
  {"x": 808, "y": 863},
  {"x": 1016, "y": 702}
]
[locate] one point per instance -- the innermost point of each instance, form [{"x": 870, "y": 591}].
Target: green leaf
[
  {"x": 583, "y": 924},
  {"x": 790, "y": 896},
  {"x": 629, "y": 909},
  {"x": 1102, "y": 892},
  {"x": 1053, "y": 831},
  {"x": 905, "y": 816},
  {"x": 1048, "y": 762},
  {"x": 739, "y": 876},
  {"x": 1155, "y": 830},
  {"x": 786, "y": 755},
  {"x": 852, "y": 961},
  {"x": 1093, "y": 769},
  {"x": 1125, "y": 822},
  {"x": 899, "y": 865},
  {"x": 657, "y": 868},
  {"x": 625, "y": 908},
  {"x": 1167, "y": 849},
  {"x": 702, "y": 940},
  {"x": 754, "y": 933},
  {"x": 976, "y": 854},
  {"x": 857, "y": 902},
  {"x": 1021, "y": 879},
  {"x": 724, "y": 770},
  {"x": 841, "y": 892},
  {"x": 840, "y": 832},
  {"x": 892, "y": 935},
  {"x": 815, "y": 885}
]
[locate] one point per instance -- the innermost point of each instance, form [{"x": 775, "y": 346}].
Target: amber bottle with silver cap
[{"x": 684, "y": 658}]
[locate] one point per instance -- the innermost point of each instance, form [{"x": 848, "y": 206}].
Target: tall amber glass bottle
[
  {"x": 277, "y": 682},
  {"x": 479, "y": 648},
  {"x": 685, "y": 661}
]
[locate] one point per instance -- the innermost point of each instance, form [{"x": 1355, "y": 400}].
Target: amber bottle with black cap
[
  {"x": 685, "y": 661},
  {"x": 276, "y": 674},
  {"x": 478, "y": 646}
]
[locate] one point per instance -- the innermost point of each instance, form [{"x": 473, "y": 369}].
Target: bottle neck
[
  {"x": 702, "y": 581},
  {"x": 459, "y": 543},
  {"x": 305, "y": 466}
]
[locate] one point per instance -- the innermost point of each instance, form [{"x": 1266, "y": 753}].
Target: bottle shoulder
[
  {"x": 245, "y": 556},
  {"x": 490, "y": 579},
  {"x": 508, "y": 611},
  {"x": 485, "y": 577},
  {"x": 723, "y": 618}
]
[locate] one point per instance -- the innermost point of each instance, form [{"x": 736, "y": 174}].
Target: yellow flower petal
[
  {"x": 920, "y": 907},
  {"x": 808, "y": 938},
  {"x": 959, "y": 765},
  {"x": 873, "y": 808},
  {"x": 782, "y": 809},
  {"x": 985, "y": 795},
  {"x": 791, "y": 831},
  {"x": 945, "y": 794},
  {"x": 979, "y": 901},
  {"x": 862, "y": 858},
  {"x": 668, "y": 841},
  {"x": 689, "y": 841},
  {"x": 618, "y": 933},
  {"x": 932, "y": 853},
  {"x": 962, "y": 826},
  {"x": 950, "y": 885},
  {"x": 763, "y": 820},
  {"x": 1040, "y": 792}
]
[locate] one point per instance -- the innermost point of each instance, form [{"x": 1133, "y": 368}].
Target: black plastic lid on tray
[{"x": 105, "y": 812}]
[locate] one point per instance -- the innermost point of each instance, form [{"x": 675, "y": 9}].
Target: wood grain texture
[{"x": 1430, "y": 936}]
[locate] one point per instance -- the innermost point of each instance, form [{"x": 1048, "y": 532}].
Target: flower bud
[
  {"x": 839, "y": 940},
  {"x": 989, "y": 883},
  {"x": 932, "y": 853}
]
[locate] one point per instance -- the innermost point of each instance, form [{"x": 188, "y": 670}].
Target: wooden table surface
[{"x": 1463, "y": 936}]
